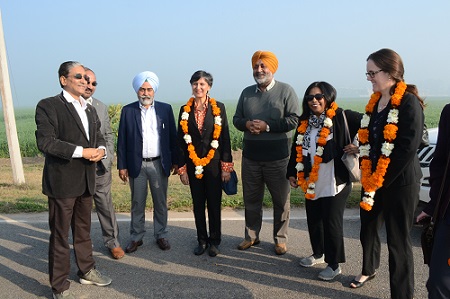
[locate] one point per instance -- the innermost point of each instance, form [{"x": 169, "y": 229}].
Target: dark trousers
[
  {"x": 438, "y": 283},
  {"x": 325, "y": 217},
  {"x": 207, "y": 190},
  {"x": 396, "y": 206},
  {"x": 256, "y": 175},
  {"x": 66, "y": 213}
]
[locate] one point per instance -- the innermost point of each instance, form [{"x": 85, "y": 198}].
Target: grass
[{"x": 29, "y": 198}]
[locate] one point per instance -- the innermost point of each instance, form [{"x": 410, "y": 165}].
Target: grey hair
[{"x": 65, "y": 67}]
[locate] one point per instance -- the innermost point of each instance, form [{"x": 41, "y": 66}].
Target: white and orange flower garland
[
  {"x": 371, "y": 181},
  {"x": 201, "y": 162},
  {"x": 308, "y": 185}
]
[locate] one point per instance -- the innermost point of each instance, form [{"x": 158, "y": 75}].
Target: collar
[
  {"x": 89, "y": 100},
  {"x": 269, "y": 87},
  {"x": 69, "y": 98},
  {"x": 142, "y": 106}
]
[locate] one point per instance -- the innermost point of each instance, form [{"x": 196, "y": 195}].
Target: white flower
[
  {"x": 328, "y": 122},
  {"x": 185, "y": 115},
  {"x": 392, "y": 116},
  {"x": 299, "y": 167},
  {"x": 371, "y": 194},
  {"x": 218, "y": 120},
  {"x": 311, "y": 187},
  {"x": 319, "y": 151},
  {"x": 299, "y": 139},
  {"x": 386, "y": 148},
  {"x": 365, "y": 121},
  {"x": 364, "y": 150},
  {"x": 187, "y": 138},
  {"x": 368, "y": 197},
  {"x": 215, "y": 144},
  {"x": 198, "y": 170}
]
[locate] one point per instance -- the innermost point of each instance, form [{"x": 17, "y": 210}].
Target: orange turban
[{"x": 268, "y": 58}]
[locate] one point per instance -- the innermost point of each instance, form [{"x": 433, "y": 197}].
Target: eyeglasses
[
  {"x": 317, "y": 96},
  {"x": 93, "y": 83},
  {"x": 80, "y": 76},
  {"x": 372, "y": 74}
]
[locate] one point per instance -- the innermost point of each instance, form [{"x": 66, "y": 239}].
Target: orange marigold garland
[
  {"x": 201, "y": 162},
  {"x": 308, "y": 185},
  {"x": 371, "y": 181}
]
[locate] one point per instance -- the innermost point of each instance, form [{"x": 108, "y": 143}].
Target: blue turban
[{"x": 150, "y": 77}]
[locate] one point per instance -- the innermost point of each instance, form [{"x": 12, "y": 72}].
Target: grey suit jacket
[{"x": 105, "y": 129}]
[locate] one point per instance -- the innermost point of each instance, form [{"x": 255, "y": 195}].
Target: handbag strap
[
  {"x": 441, "y": 190},
  {"x": 347, "y": 132}
]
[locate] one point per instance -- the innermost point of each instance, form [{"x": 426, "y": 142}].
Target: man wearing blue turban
[{"x": 146, "y": 155}]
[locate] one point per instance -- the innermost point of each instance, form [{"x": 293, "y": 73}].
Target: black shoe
[
  {"x": 200, "y": 249},
  {"x": 213, "y": 250}
]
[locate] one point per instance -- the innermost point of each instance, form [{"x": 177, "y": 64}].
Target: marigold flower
[
  {"x": 308, "y": 185},
  {"x": 200, "y": 163},
  {"x": 372, "y": 181}
]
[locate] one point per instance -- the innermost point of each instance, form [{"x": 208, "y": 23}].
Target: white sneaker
[
  {"x": 311, "y": 261},
  {"x": 64, "y": 295},
  {"x": 329, "y": 274}
]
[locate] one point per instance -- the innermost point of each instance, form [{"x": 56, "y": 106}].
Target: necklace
[
  {"x": 201, "y": 162},
  {"x": 308, "y": 185},
  {"x": 371, "y": 181}
]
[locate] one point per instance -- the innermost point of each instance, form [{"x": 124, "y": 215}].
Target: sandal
[{"x": 354, "y": 284}]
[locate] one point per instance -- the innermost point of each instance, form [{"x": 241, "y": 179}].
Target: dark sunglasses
[
  {"x": 93, "y": 83},
  {"x": 80, "y": 76},
  {"x": 317, "y": 96}
]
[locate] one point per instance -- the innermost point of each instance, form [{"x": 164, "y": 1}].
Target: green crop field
[
  {"x": 28, "y": 197},
  {"x": 26, "y": 126}
]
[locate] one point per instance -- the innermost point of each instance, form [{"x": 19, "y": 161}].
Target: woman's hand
[
  {"x": 422, "y": 216},
  {"x": 225, "y": 176},
  {"x": 351, "y": 149},
  {"x": 293, "y": 182},
  {"x": 184, "y": 179}
]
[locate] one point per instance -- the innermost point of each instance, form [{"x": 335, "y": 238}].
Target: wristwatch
[{"x": 267, "y": 128}]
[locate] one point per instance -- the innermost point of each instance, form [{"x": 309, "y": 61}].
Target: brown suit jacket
[{"x": 59, "y": 132}]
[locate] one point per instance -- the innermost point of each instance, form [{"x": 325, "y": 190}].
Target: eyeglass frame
[
  {"x": 79, "y": 76},
  {"x": 372, "y": 74},
  {"x": 311, "y": 97}
]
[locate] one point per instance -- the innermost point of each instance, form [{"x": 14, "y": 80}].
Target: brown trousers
[{"x": 66, "y": 213}]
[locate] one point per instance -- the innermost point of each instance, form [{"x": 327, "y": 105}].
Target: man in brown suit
[{"x": 68, "y": 134}]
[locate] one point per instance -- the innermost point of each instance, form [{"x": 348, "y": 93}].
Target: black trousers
[
  {"x": 207, "y": 191},
  {"x": 325, "y": 217},
  {"x": 438, "y": 283},
  {"x": 395, "y": 205}
]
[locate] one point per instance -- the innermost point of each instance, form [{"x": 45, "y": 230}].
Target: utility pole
[{"x": 8, "y": 112}]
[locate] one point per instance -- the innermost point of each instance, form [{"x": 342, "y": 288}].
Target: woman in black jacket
[
  {"x": 205, "y": 159},
  {"x": 438, "y": 284},
  {"x": 316, "y": 166}
]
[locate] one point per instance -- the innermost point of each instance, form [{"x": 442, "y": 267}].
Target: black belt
[{"x": 150, "y": 159}]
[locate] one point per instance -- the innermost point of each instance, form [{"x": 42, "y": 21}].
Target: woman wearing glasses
[
  {"x": 316, "y": 166},
  {"x": 390, "y": 134}
]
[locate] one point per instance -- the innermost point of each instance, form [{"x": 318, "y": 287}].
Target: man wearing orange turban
[
  {"x": 268, "y": 58},
  {"x": 267, "y": 113}
]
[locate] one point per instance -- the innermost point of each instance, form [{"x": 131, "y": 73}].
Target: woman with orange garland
[
  {"x": 316, "y": 166},
  {"x": 390, "y": 134},
  {"x": 205, "y": 159}
]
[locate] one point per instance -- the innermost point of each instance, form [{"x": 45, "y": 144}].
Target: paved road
[{"x": 178, "y": 273}]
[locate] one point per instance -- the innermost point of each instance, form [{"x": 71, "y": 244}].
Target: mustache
[{"x": 146, "y": 98}]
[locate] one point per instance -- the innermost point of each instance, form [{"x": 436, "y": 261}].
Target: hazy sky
[{"x": 313, "y": 40}]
